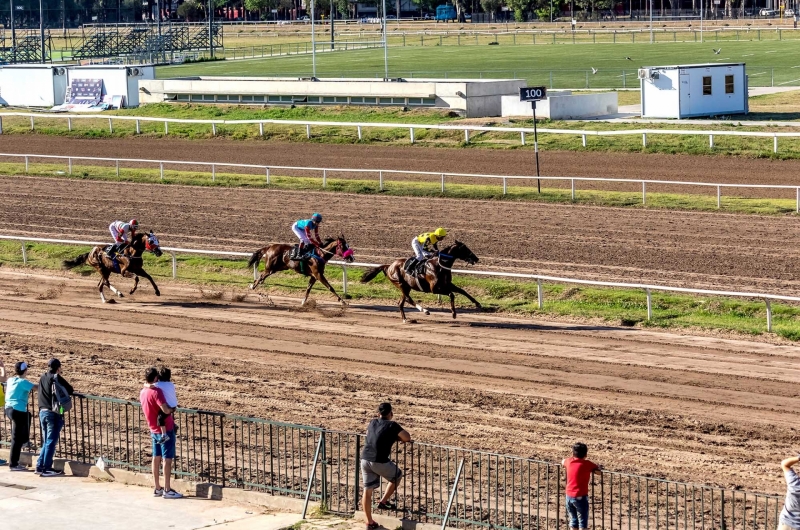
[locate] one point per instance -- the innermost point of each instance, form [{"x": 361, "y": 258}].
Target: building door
[{"x": 685, "y": 93}]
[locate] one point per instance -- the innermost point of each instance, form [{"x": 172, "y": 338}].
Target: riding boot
[{"x": 112, "y": 250}]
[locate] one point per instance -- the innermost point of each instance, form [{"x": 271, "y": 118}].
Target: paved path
[{"x": 28, "y": 501}]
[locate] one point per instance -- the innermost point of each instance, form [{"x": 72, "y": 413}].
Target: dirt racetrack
[
  {"x": 737, "y": 252},
  {"x": 704, "y": 409}
]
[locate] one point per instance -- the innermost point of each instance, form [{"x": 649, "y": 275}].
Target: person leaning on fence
[
  {"x": 382, "y": 433},
  {"x": 18, "y": 390},
  {"x": 2, "y": 394},
  {"x": 54, "y": 400},
  {"x": 579, "y": 473},
  {"x": 790, "y": 515},
  {"x": 153, "y": 402}
]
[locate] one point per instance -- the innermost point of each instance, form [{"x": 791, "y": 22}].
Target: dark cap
[
  {"x": 384, "y": 409},
  {"x": 54, "y": 365},
  {"x": 21, "y": 367}
]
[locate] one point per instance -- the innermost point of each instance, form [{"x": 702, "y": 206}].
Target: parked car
[
  {"x": 427, "y": 16},
  {"x": 788, "y": 12},
  {"x": 467, "y": 16},
  {"x": 391, "y": 17},
  {"x": 768, "y": 13},
  {"x": 304, "y": 18}
]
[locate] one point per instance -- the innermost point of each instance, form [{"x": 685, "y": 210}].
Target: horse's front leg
[
  {"x": 331, "y": 289},
  {"x": 113, "y": 289},
  {"x": 459, "y": 290},
  {"x": 143, "y": 274},
  {"x": 311, "y": 282},
  {"x": 264, "y": 275},
  {"x": 135, "y": 281},
  {"x": 453, "y": 304}
]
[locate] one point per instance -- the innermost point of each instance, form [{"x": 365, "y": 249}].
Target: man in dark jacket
[
  {"x": 382, "y": 433},
  {"x": 51, "y": 420}
]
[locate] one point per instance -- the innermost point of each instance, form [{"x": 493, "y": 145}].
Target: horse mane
[{"x": 328, "y": 241}]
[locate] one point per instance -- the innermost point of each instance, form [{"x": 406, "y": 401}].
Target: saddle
[
  {"x": 415, "y": 267},
  {"x": 297, "y": 255},
  {"x": 110, "y": 252}
]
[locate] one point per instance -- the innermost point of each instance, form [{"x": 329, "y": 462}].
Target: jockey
[
  {"x": 121, "y": 232},
  {"x": 302, "y": 229},
  {"x": 425, "y": 244}
]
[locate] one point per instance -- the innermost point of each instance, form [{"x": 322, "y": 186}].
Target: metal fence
[{"x": 468, "y": 488}]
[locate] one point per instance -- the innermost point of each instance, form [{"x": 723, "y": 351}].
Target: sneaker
[
  {"x": 3, "y": 462},
  {"x": 373, "y": 526},
  {"x": 52, "y": 473},
  {"x": 158, "y": 492},
  {"x": 172, "y": 494},
  {"x": 18, "y": 468},
  {"x": 38, "y": 471},
  {"x": 387, "y": 506}
]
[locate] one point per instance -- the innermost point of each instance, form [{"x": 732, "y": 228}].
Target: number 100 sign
[{"x": 532, "y": 93}]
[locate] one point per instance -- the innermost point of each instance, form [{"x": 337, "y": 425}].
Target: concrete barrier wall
[{"x": 564, "y": 107}]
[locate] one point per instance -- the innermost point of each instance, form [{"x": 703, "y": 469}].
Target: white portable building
[
  {"x": 32, "y": 85},
  {"x": 118, "y": 80},
  {"x": 692, "y": 90}
]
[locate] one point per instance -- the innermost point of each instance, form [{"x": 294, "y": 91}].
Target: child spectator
[
  {"x": 579, "y": 473},
  {"x": 16, "y": 409},
  {"x": 168, "y": 389}
]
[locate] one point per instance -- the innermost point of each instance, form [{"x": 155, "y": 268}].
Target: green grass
[
  {"x": 217, "y": 277},
  {"x": 568, "y": 62},
  {"x": 393, "y": 186}
]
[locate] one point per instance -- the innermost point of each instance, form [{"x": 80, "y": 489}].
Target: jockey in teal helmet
[{"x": 302, "y": 229}]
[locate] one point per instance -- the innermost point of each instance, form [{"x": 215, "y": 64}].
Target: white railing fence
[
  {"x": 539, "y": 279},
  {"x": 384, "y": 174},
  {"x": 411, "y": 127}
]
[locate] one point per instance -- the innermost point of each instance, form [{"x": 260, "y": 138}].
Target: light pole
[
  {"x": 702, "y": 4},
  {"x": 211, "y": 28},
  {"x": 385, "y": 46},
  {"x": 651, "y": 21},
  {"x": 13, "y": 35},
  {"x": 41, "y": 30},
  {"x": 313, "y": 43},
  {"x": 551, "y": 11}
]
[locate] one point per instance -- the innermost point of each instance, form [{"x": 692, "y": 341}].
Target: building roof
[{"x": 701, "y": 65}]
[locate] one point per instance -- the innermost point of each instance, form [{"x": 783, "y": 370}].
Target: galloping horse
[
  {"x": 436, "y": 277},
  {"x": 128, "y": 264},
  {"x": 277, "y": 258}
]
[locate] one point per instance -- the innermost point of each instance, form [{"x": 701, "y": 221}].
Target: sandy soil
[
  {"x": 737, "y": 252},
  {"x": 690, "y": 408}
]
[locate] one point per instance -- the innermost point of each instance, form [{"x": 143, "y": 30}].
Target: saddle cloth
[{"x": 415, "y": 267}]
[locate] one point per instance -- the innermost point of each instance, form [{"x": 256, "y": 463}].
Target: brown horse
[
  {"x": 277, "y": 258},
  {"x": 436, "y": 277},
  {"x": 128, "y": 264}
]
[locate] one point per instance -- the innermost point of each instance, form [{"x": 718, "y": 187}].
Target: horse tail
[
  {"x": 372, "y": 273},
  {"x": 72, "y": 263},
  {"x": 256, "y": 257}
]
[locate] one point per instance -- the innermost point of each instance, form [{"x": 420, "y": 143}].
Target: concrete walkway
[{"x": 28, "y": 501}]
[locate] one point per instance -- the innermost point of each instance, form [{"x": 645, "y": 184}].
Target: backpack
[{"x": 62, "y": 401}]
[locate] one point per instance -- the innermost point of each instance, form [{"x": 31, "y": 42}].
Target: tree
[
  {"x": 520, "y": 8},
  {"x": 490, "y": 7},
  {"x": 257, "y": 5},
  {"x": 189, "y": 10}
]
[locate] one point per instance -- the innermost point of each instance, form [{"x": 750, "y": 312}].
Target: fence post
[
  {"x": 268, "y": 176},
  {"x": 411, "y": 134},
  {"x": 117, "y": 161},
  {"x": 719, "y": 197},
  {"x": 359, "y": 132},
  {"x": 344, "y": 279},
  {"x": 797, "y": 206},
  {"x": 583, "y": 140},
  {"x": 24, "y": 254},
  {"x": 26, "y": 164},
  {"x": 649, "y": 304},
  {"x": 644, "y": 192},
  {"x": 69, "y": 124},
  {"x": 358, "y": 472},
  {"x": 324, "y": 178},
  {"x": 31, "y": 122},
  {"x": 110, "y": 127},
  {"x": 213, "y": 172},
  {"x": 539, "y": 293},
  {"x": 69, "y": 166},
  {"x": 138, "y": 129},
  {"x": 505, "y": 186},
  {"x": 380, "y": 182},
  {"x": 466, "y": 136},
  {"x": 775, "y": 144},
  {"x": 311, "y": 475},
  {"x": 769, "y": 315},
  {"x": 324, "y": 462},
  {"x": 308, "y": 130},
  {"x": 166, "y": 127},
  {"x": 1, "y": 125},
  {"x": 174, "y": 266},
  {"x": 711, "y": 141},
  {"x": 644, "y": 139},
  {"x": 442, "y": 182},
  {"x": 161, "y": 169},
  {"x": 255, "y": 271},
  {"x": 522, "y": 137},
  {"x": 454, "y": 490},
  {"x": 572, "y": 181},
  {"x": 261, "y": 128}
]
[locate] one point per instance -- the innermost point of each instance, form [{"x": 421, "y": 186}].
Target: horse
[
  {"x": 277, "y": 258},
  {"x": 128, "y": 264},
  {"x": 436, "y": 277}
]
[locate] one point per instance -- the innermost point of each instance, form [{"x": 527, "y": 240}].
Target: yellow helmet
[{"x": 440, "y": 233}]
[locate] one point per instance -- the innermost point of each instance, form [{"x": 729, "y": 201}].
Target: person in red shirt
[
  {"x": 153, "y": 402},
  {"x": 579, "y": 473}
]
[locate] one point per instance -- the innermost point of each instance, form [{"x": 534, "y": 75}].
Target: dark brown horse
[
  {"x": 128, "y": 264},
  {"x": 435, "y": 278},
  {"x": 277, "y": 258}
]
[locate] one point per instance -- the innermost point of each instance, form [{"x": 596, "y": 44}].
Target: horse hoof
[
  {"x": 427, "y": 313},
  {"x": 121, "y": 295},
  {"x": 251, "y": 286},
  {"x": 158, "y": 293}
]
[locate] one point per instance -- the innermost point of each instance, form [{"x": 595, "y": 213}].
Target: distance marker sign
[{"x": 532, "y": 93}]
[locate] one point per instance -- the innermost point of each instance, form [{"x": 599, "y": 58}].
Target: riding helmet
[
  {"x": 134, "y": 224},
  {"x": 317, "y": 218},
  {"x": 440, "y": 233}
]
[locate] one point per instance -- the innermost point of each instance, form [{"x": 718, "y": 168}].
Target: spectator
[
  {"x": 790, "y": 515},
  {"x": 168, "y": 389},
  {"x": 2, "y": 395},
  {"x": 153, "y": 402},
  {"x": 50, "y": 419},
  {"x": 16, "y": 409},
  {"x": 382, "y": 433},
  {"x": 579, "y": 473}
]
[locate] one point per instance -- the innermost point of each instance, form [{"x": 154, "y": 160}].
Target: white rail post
[
  {"x": 255, "y": 271},
  {"x": 69, "y": 166},
  {"x": 769, "y": 315},
  {"x": 644, "y": 192},
  {"x": 572, "y": 181},
  {"x": 540, "y": 293},
  {"x": 1, "y": 125},
  {"x": 649, "y": 304},
  {"x": 380, "y": 181},
  {"x": 359, "y": 132},
  {"x": 466, "y": 136},
  {"x": 719, "y": 197},
  {"x": 174, "y": 266},
  {"x": 213, "y": 129},
  {"x": 31, "y": 122},
  {"x": 138, "y": 128},
  {"x": 442, "y": 182},
  {"x": 24, "y": 254},
  {"x": 344, "y": 279},
  {"x": 166, "y": 127},
  {"x": 161, "y": 168},
  {"x": 644, "y": 139},
  {"x": 522, "y": 137},
  {"x": 711, "y": 141},
  {"x": 261, "y": 128},
  {"x": 110, "y": 126},
  {"x": 268, "y": 176},
  {"x": 583, "y": 140},
  {"x": 324, "y": 178},
  {"x": 117, "y": 168},
  {"x": 26, "y": 164},
  {"x": 505, "y": 186},
  {"x": 213, "y": 172},
  {"x": 797, "y": 206},
  {"x": 69, "y": 124},
  {"x": 775, "y": 144},
  {"x": 411, "y": 133},
  {"x": 308, "y": 130}
]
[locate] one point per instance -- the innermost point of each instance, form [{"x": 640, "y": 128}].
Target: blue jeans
[
  {"x": 51, "y": 424},
  {"x": 578, "y": 511}
]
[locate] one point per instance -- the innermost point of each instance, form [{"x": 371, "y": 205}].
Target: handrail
[{"x": 539, "y": 278}]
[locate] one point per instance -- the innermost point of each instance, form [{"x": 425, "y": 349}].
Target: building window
[
  {"x": 707, "y": 85},
  {"x": 183, "y": 97},
  {"x": 729, "y": 84}
]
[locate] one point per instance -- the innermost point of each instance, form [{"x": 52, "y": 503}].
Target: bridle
[{"x": 339, "y": 250}]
